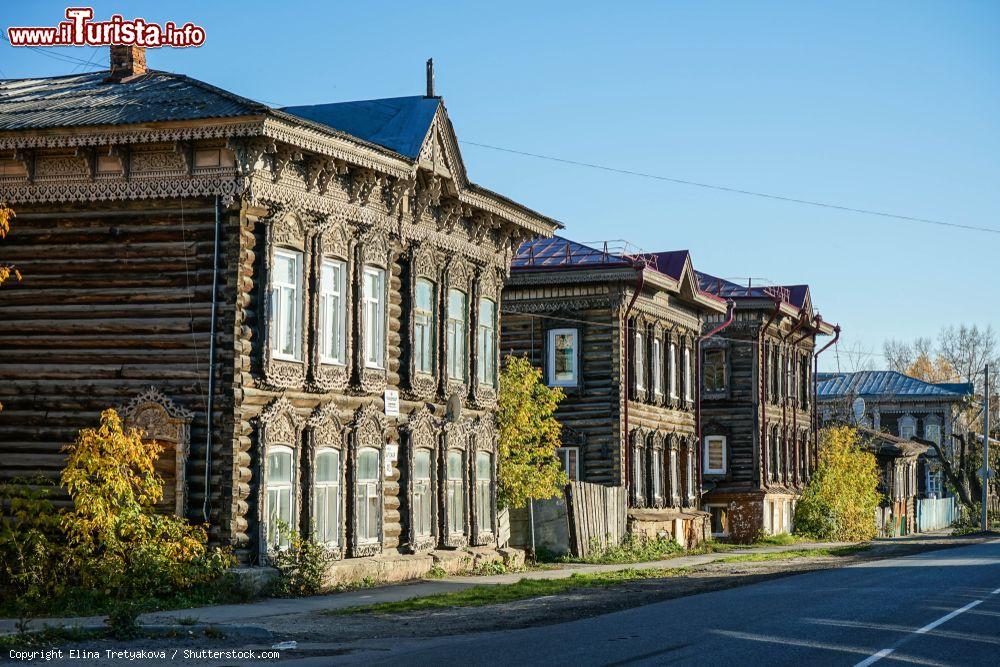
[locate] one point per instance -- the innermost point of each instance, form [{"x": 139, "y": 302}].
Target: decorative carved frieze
[
  {"x": 281, "y": 157},
  {"x": 249, "y": 151}
]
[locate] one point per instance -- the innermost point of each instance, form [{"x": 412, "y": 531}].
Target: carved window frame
[
  {"x": 688, "y": 381},
  {"x": 424, "y": 265},
  {"x": 674, "y": 473},
  {"x": 279, "y": 425},
  {"x": 716, "y": 346},
  {"x": 690, "y": 471},
  {"x": 422, "y": 433},
  {"x": 639, "y": 472},
  {"x": 333, "y": 241},
  {"x": 657, "y": 377},
  {"x": 326, "y": 432},
  {"x": 374, "y": 249},
  {"x": 484, "y": 439},
  {"x": 285, "y": 231},
  {"x": 162, "y": 420},
  {"x": 458, "y": 276},
  {"x": 655, "y": 453},
  {"x": 369, "y": 430},
  {"x": 674, "y": 388},
  {"x": 489, "y": 287},
  {"x": 456, "y": 438},
  {"x": 639, "y": 335}
]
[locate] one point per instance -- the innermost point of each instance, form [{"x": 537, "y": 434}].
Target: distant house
[
  {"x": 618, "y": 331},
  {"x": 758, "y": 419},
  {"x": 899, "y": 460},
  {"x": 900, "y": 405}
]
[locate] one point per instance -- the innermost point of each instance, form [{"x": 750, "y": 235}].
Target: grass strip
[
  {"x": 795, "y": 553},
  {"x": 500, "y": 593}
]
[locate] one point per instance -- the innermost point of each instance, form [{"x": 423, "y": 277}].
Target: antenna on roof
[{"x": 430, "y": 77}]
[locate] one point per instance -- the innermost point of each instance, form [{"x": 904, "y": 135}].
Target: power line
[
  {"x": 51, "y": 54},
  {"x": 723, "y": 188}
]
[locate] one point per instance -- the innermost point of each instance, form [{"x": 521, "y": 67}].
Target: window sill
[
  {"x": 284, "y": 357},
  {"x": 332, "y": 362}
]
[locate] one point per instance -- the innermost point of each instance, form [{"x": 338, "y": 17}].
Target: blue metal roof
[
  {"x": 398, "y": 123},
  {"x": 886, "y": 384},
  {"x": 560, "y": 252},
  {"x": 89, "y": 99}
]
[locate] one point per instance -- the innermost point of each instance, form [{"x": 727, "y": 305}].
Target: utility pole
[{"x": 986, "y": 450}]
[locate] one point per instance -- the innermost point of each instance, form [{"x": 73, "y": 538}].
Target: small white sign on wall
[
  {"x": 391, "y": 456},
  {"x": 391, "y": 398}
]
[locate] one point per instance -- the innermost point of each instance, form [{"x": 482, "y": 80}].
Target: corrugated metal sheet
[
  {"x": 398, "y": 123},
  {"x": 86, "y": 99},
  {"x": 730, "y": 290},
  {"x": 559, "y": 252},
  {"x": 886, "y": 384}
]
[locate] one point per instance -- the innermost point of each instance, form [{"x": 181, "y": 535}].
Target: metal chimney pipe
[{"x": 430, "y": 77}]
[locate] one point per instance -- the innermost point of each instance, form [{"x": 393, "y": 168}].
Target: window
[
  {"x": 458, "y": 325},
  {"x": 562, "y": 357},
  {"x": 715, "y": 455},
  {"x": 657, "y": 367},
  {"x": 804, "y": 382},
  {"x": 714, "y": 373},
  {"x": 484, "y": 496},
  {"x": 688, "y": 384},
  {"x": 279, "y": 496},
  {"x": 907, "y": 427},
  {"x": 673, "y": 370},
  {"x": 934, "y": 485},
  {"x": 640, "y": 361},
  {"x": 366, "y": 501},
  {"x": 692, "y": 476},
  {"x": 720, "y": 520},
  {"x": 422, "y": 493},
  {"x": 455, "y": 492},
  {"x": 656, "y": 472},
  {"x": 675, "y": 478},
  {"x": 932, "y": 432},
  {"x": 570, "y": 457},
  {"x": 374, "y": 314},
  {"x": 286, "y": 306},
  {"x": 327, "y": 496},
  {"x": 639, "y": 472},
  {"x": 486, "y": 350},
  {"x": 332, "y": 311},
  {"x": 423, "y": 327}
]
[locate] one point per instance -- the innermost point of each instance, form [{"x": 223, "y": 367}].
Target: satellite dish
[
  {"x": 859, "y": 409},
  {"x": 454, "y": 407}
]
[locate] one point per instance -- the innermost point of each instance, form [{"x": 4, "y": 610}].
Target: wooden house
[
  {"x": 898, "y": 462},
  {"x": 758, "y": 408},
  {"x": 618, "y": 331},
  {"x": 899, "y": 405},
  {"x": 301, "y": 304}
]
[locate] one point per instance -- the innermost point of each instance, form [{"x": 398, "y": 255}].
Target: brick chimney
[{"x": 127, "y": 62}]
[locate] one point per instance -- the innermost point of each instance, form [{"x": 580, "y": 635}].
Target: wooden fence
[{"x": 596, "y": 516}]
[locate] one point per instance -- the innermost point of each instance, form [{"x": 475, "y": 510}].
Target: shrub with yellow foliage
[{"x": 840, "y": 500}]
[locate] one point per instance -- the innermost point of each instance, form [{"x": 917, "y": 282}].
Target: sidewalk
[{"x": 249, "y": 612}]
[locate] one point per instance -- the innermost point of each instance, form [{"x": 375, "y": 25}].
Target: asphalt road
[{"x": 937, "y": 608}]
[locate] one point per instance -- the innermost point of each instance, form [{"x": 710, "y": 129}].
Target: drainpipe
[
  {"x": 763, "y": 391},
  {"x": 640, "y": 279},
  {"x": 205, "y": 509},
  {"x": 784, "y": 403},
  {"x": 730, "y": 314},
  {"x": 815, "y": 410}
]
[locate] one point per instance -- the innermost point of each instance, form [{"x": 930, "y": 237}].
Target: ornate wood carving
[
  {"x": 458, "y": 275},
  {"x": 484, "y": 439},
  {"x": 488, "y": 286},
  {"x": 326, "y": 431},
  {"x": 333, "y": 240},
  {"x": 281, "y": 158},
  {"x": 424, "y": 264},
  {"x": 422, "y": 432},
  {"x": 368, "y": 431},
  {"x": 373, "y": 249},
  {"x": 163, "y": 421},
  {"x": 278, "y": 424},
  {"x": 285, "y": 229},
  {"x": 456, "y": 438}
]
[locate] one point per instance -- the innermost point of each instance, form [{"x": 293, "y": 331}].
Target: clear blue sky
[{"x": 891, "y": 106}]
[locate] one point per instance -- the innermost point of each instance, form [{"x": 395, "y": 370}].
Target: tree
[
  {"x": 961, "y": 465},
  {"x": 529, "y": 435},
  {"x": 840, "y": 500},
  {"x": 6, "y": 270}
]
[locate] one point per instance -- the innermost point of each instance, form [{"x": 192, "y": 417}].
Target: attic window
[{"x": 107, "y": 164}]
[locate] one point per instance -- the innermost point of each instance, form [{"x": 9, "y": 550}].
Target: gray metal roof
[
  {"x": 400, "y": 124},
  {"x": 87, "y": 99},
  {"x": 888, "y": 384}
]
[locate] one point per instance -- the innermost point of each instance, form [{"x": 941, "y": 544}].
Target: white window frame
[
  {"x": 574, "y": 357},
  {"x": 686, "y": 366},
  {"x": 335, "y": 352},
  {"x": 907, "y": 421},
  {"x": 458, "y": 338},
  {"x": 639, "y": 363},
  {"x": 374, "y": 325},
  {"x": 656, "y": 472},
  {"x": 486, "y": 345},
  {"x": 425, "y": 496},
  {"x": 274, "y": 540},
  {"x": 369, "y": 487},
  {"x": 323, "y": 489},
  {"x": 455, "y": 493},
  {"x": 424, "y": 349},
  {"x": 709, "y": 440},
  {"x": 657, "y": 360},
  {"x": 483, "y": 493},
  {"x": 572, "y": 472},
  {"x": 279, "y": 318},
  {"x": 676, "y": 481},
  {"x": 673, "y": 370},
  {"x": 935, "y": 426}
]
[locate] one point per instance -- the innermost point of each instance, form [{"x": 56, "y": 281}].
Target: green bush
[{"x": 302, "y": 565}]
